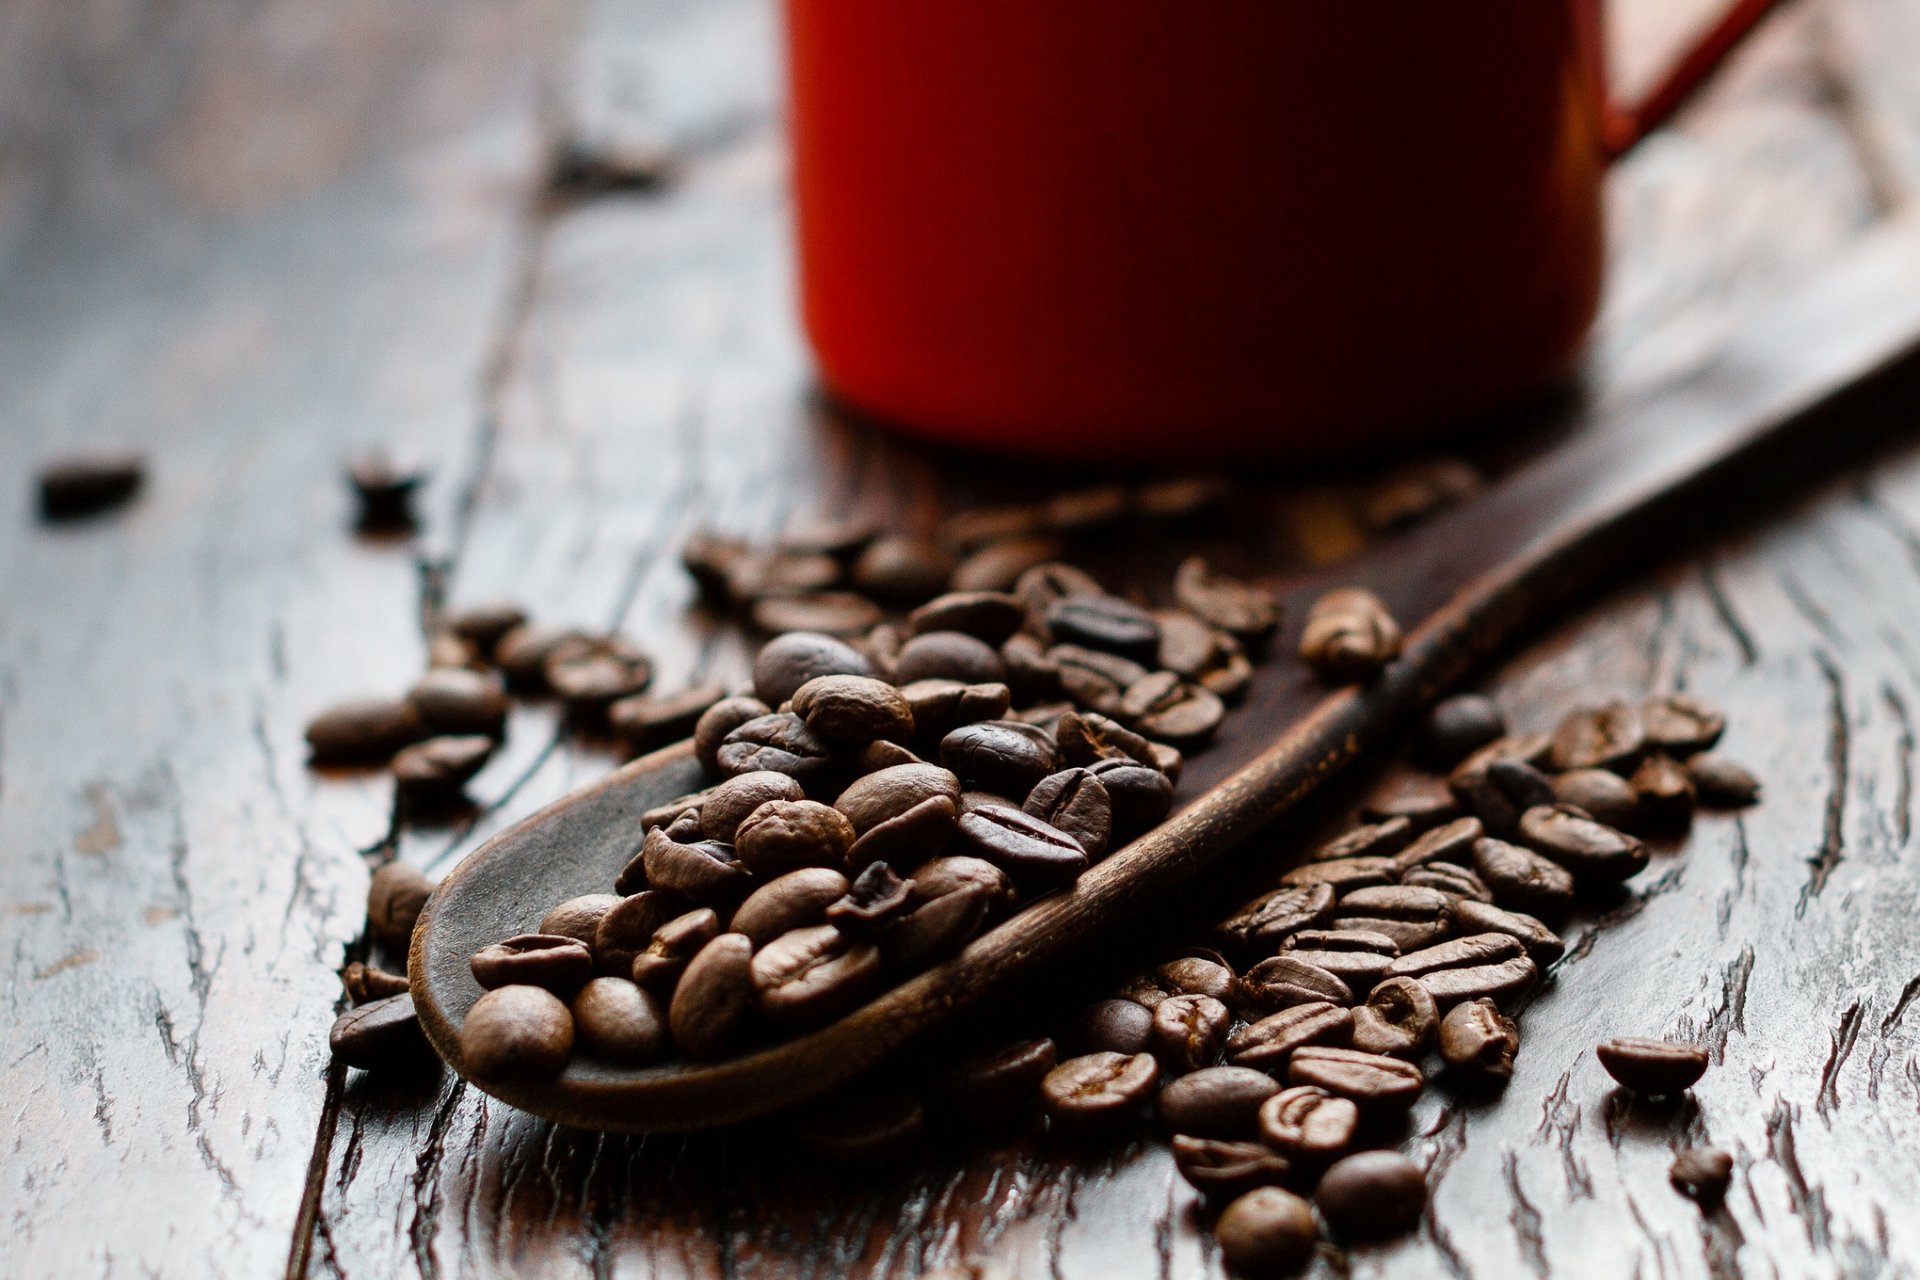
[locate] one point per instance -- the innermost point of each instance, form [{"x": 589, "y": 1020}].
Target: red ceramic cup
[{"x": 1223, "y": 229}]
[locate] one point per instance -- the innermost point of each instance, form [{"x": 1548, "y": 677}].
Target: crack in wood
[{"x": 1833, "y": 830}]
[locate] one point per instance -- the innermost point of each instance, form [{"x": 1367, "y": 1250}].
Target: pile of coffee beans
[{"x": 877, "y": 802}]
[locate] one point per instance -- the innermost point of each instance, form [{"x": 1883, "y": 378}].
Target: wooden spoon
[{"x": 1631, "y": 485}]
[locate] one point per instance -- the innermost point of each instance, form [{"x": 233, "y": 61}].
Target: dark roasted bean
[
  {"x": 997, "y": 566},
  {"x": 1719, "y": 781},
  {"x": 673, "y": 947},
  {"x": 876, "y": 756},
  {"x": 715, "y": 995},
  {"x": 1188, "y": 1032},
  {"x": 1504, "y": 790},
  {"x": 1113, "y": 1026},
  {"x": 952, "y": 874},
  {"x": 1349, "y": 635},
  {"x": 1308, "y": 1123},
  {"x": 1246, "y": 611},
  {"x": 1423, "y": 800},
  {"x": 836, "y": 536},
  {"x": 1258, "y": 928},
  {"x": 82, "y": 484},
  {"x": 1658, "y": 1068},
  {"x": 592, "y": 675},
  {"x": 1542, "y": 944},
  {"x": 1032, "y": 675},
  {"x": 831, "y": 613},
  {"x": 384, "y": 493},
  {"x": 1281, "y": 981},
  {"x": 1180, "y": 498},
  {"x": 1224, "y": 1170},
  {"x": 909, "y": 839},
  {"x": 1095, "y": 681},
  {"x": 788, "y": 661},
  {"x": 999, "y": 755},
  {"x": 990, "y": 616},
  {"x": 871, "y": 800},
  {"x": 1141, "y": 795},
  {"x": 1450, "y": 842},
  {"x": 786, "y": 835},
  {"x": 941, "y": 706},
  {"x": 1408, "y": 935},
  {"x": 727, "y": 805},
  {"x": 1099, "y": 1092},
  {"x": 1461, "y": 953},
  {"x": 1528, "y": 748},
  {"x": 1521, "y": 879},
  {"x": 364, "y": 731},
  {"x": 1189, "y": 645},
  {"x": 1395, "y": 902},
  {"x": 1454, "y": 881},
  {"x": 1359, "y": 967},
  {"x": 516, "y": 1031},
  {"x": 616, "y": 1020},
  {"x": 1604, "y": 795},
  {"x": 1680, "y": 724},
  {"x": 454, "y": 700},
  {"x": 1087, "y": 739},
  {"x": 1107, "y": 623},
  {"x": 854, "y": 709},
  {"x": 702, "y": 871},
  {"x": 1081, "y": 510},
  {"x": 1583, "y": 846},
  {"x": 1666, "y": 793},
  {"x": 1042, "y": 586},
  {"x": 719, "y": 720},
  {"x": 1198, "y": 976},
  {"x": 988, "y": 1087},
  {"x": 484, "y": 624},
  {"x": 1457, "y": 727},
  {"x": 395, "y": 896},
  {"x": 782, "y": 743},
  {"x": 813, "y": 975},
  {"x": 1170, "y": 710},
  {"x": 875, "y": 900},
  {"x": 949, "y": 655},
  {"x": 439, "y": 768},
  {"x": 1216, "y": 1102},
  {"x": 1344, "y": 874},
  {"x": 1398, "y": 1019},
  {"x": 931, "y": 929},
  {"x": 1267, "y": 1043},
  {"x": 1029, "y": 850},
  {"x": 1702, "y": 1174},
  {"x": 902, "y": 569},
  {"x": 1610, "y": 736},
  {"x": 1372, "y": 1081},
  {"x": 1076, "y": 802},
  {"x": 1341, "y": 940},
  {"x": 579, "y": 917},
  {"x": 1375, "y": 840},
  {"x": 1503, "y": 982},
  {"x": 445, "y": 649},
  {"x": 379, "y": 1035},
  {"x": 1372, "y": 1195},
  {"x": 627, "y": 928},
  {"x": 793, "y": 901},
  {"x": 553, "y": 961},
  {"x": 364, "y": 982},
  {"x": 708, "y": 558},
  {"x": 1266, "y": 1232},
  {"x": 1479, "y": 1041},
  {"x": 772, "y": 574}
]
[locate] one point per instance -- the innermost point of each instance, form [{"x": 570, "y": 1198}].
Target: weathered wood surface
[{"x": 252, "y": 235}]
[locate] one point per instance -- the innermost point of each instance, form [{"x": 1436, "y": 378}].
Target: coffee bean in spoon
[{"x": 517, "y": 1031}]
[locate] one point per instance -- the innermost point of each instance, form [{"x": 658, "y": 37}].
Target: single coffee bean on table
[
  {"x": 379, "y": 1035},
  {"x": 1099, "y": 1092},
  {"x": 992, "y": 1086},
  {"x": 1268, "y": 1043},
  {"x": 1268, "y": 1231},
  {"x": 1666, "y": 792},
  {"x": 1372, "y": 1195},
  {"x": 1216, "y": 1102},
  {"x": 1657, "y": 1068},
  {"x": 1479, "y": 1042},
  {"x": 84, "y": 484},
  {"x": 1602, "y": 794},
  {"x": 1681, "y": 725},
  {"x": 1702, "y": 1174},
  {"x": 1458, "y": 726},
  {"x": 396, "y": 895},
  {"x": 364, "y": 982}
]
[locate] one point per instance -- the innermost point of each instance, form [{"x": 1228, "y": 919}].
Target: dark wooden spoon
[{"x": 1633, "y": 482}]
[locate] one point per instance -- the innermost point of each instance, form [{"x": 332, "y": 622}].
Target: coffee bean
[
  {"x": 838, "y": 536},
  {"x": 1188, "y": 1032},
  {"x": 626, "y": 929},
  {"x": 1171, "y": 710},
  {"x": 1372, "y": 1195},
  {"x": 1003, "y": 756},
  {"x": 1457, "y": 727},
  {"x": 1357, "y": 966},
  {"x": 1032, "y": 675},
  {"x": 362, "y": 731},
  {"x": 989, "y": 616},
  {"x": 591, "y": 676},
  {"x": 788, "y": 661},
  {"x": 1399, "y": 1019},
  {"x": 1460, "y": 953},
  {"x": 1308, "y": 1123},
  {"x": 871, "y": 800},
  {"x": 1521, "y": 879},
  {"x": 949, "y": 655},
  {"x": 1527, "y": 748},
  {"x": 813, "y": 975},
  {"x": 854, "y": 709},
  {"x": 1349, "y": 635},
  {"x": 1680, "y": 724},
  {"x": 1266, "y": 1232},
  {"x": 1281, "y": 981},
  {"x": 1259, "y": 927},
  {"x": 1199, "y": 976},
  {"x": 516, "y": 1031},
  {"x": 83, "y": 484},
  {"x": 1247, "y": 612},
  {"x": 782, "y": 743},
  {"x": 1375, "y": 840},
  {"x": 439, "y": 768},
  {"x": 1113, "y": 1026},
  {"x": 793, "y": 901},
  {"x": 1216, "y": 1102},
  {"x": 1423, "y": 800},
  {"x": 875, "y": 901},
  {"x": 988, "y": 1087},
  {"x": 1543, "y": 945},
  {"x": 1189, "y": 646},
  {"x": 1269, "y": 1042},
  {"x": 1140, "y": 795},
  {"x": 1228, "y": 680},
  {"x": 1180, "y": 498},
  {"x": 1610, "y": 736},
  {"x": 909, "y": 839},
  {"x": 997, "y": 566},
  {"x": 1045, "y": 585},
  {"x": 1094, "y": 681},
  {"x": 786, "y": 835},
  {"x": 714, "y": 998},
  {"x": 379, "y": 1035},
  {"x": 902, "y": 569},
  {"x": 521, "y": 654},
  {"x": 1099, "y": 1092},
  {"x": 579, "y": 917},
  {"x": 1503, "y": 982},
  {"x": 1502, "y": 791},
  {"x": 1702, "y": 1174},
  {"x": 1451, "y": 842},
  {"x": 700, "y": 871},
  {"x": 947, "y": 875},
  {"x": 445, "y": 649},
  {"x": 1658, "y": 1068},
  {"x": 1226, "y": 1170},
  {"x": 1076, "y": 802},
  {"x": 1581, "y": 845},
  {"x": 553, "y": 961},
  {"x": 1454, "y": 881},
  {"x": 1374, "y": 1082},
  {"x": 1107, "y": 623},
  {"x": 1340, "y": 940},
  {"x": 1081, "y": 510},
  {"x": 396, "y": 894},
  {"x": 1396, "y": 902},
  {"x": 1344, "y": 874},
  {"x": 931, "y": 929},
  {"x": 1719, "y": 781},
  {"x": 646, "y": 722},
  {"x": 1086, "y": 739},
  {"x": 708, "y": 558},
  {"x": 940, "y": 706},
  {"x": 1032, "y": 852},
  {"x": 978, "y": 526},
  {"x": 770, "y": 574},
  {"x": 1666, "y": 793},
  {"x": 1479, "y": 1042},
  {"x": 1606, "y": 796},
  {"x": 876, "y": 756},
  {"x": 720, "y": 720},
  {"x": 364, "y": 982},
  {"x": 728, "y": 805},
  {"x": 673, "y": 947},
  {"x": 618, "y": 1021},
  {"x": 1408, "y": 935}
]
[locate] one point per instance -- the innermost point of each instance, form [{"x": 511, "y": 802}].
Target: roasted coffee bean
[
  {"x": 701, "y": 871},
  {"x": 395, "y": 896},
  {"x": 1081, "y": 510},
  {"x": 987, "y": 1088},
  {"x": 1216, "y": 1102},
  {"x": 1260, "y": 926},
  {"x": 553, "y": 961},
  {"x": 875, "y": 900},
  {"x": 483, "y": 624},
  {"x": 1702, "y": 1174},
  {"x": 379, "y": 1035},
  {"x": 1372, "y": 1195},
  {"x": 1460, "y": 953},
  {"x": 1349, "y": 635},
  {"x": 714, "y": 998},
  {"x": 1422, "y": 799},
  {"x": 616, "y": 1020},
  {"x": 1341, "y": 940},
  {"x": 1003, "y": 756},
  {"x": 728, "y": 805},
  {"x": 1521, "y": 879},
  {"x": 1680, "y": 724},
  {"x": 1528, "y": 748},
  {"x": 1143, "y": 991},
  {"x": 685, "y": 808},
  {"x": 1503, "y": 791},
  {"x": 1094, "y": 681},
  {"x": 1450, "y": 842},
  {"x": 1374, "y": 1082},
  {"x": 786, "y": 835},
  {"x": 875, "y": 756},
  {"x": 882, "y": 644},
  {"x": 1113, "y": 1026},
  {"x": 1188, "y": 1032},
  {"x": 1610, "y": 736},
  {"x": 1032, "y": 675},
  {"x": 813, "y": 975},
  {"x": 579, "y": 917},
  {"x": 1479, "y": 1041},
  {"x": 1503, "y": 982},
  {"x": 978, "y": 526},
  {"x": 949, "y": 655},
  {"x": 1245, "y": 611},
  {"x": 1457, "y": 727},
  {"x": 1454, "y": 881},
  {"x": 788, "y": 661},
  {"x": 1087, "y": 739},
  {"x": 708, "y": 558},
  {"x": 720, "y": 720},
  {"x": 1344, "y": 874},
  {"x": 1032, "y": 852},
  {"x": 940, "y": 706},
  {"x": 1543, "y": 945},
  {"x": 673, "y": 947},
  {"x": 626, "y": 929},
  {"x": 364, "y": 982},
  {"x": 1399, "y": 1019},
  {"x": 1076, "y": 802},
  {"x": 516, "y": 1031},
  {"x": 1719, "y": 781},
  {"x": 1140, "y": 795},
  {"x": 1171, "y": 710},
  {"x": 1108, "y": 623},
  {"x": 83, "y": 484},
  {"x": 931, "y": 929},
  {"x": 1408, "y": 935},
  {"x": 1308, "y": 1123},
  {"x": 997, "y": 566},
  {"x": 1583, "y": 846},
  {"x": 1358, "y": 966},
  {"x": 1282, "y": 981},
  {"x": 646, "y": 722},
  {"x": 1041, "y": 587},
  {"x": 445, "y": 649},
  {"x": 363, "y": 731},
  {"x": 1099, "y": 1092},
  {"x": 772, "y": 573},
  {"x": 1226, "y": 1170},
  {"x": 903, "y": 570},
  {"x": 830, "y": 613},
  {"x": 1180, "y": 498},
  {"x": 909, "y": 839},
  {"x": 1266, "y": 1232},
  {"x": 1605, "y": 796},
  {"x": 591, "y": 677},
  {"x": 1229, "y": 680},
  {"x": 793, "y": 901},
  {"x": 439, "y": 768},
  {"x": 989, "y": 616},
  {"x": 838, "y": 536},
  {"x": 953, "y": 874},
  {"x": 1198, "y": 976},
  {"x": 871, "y": 800},
  {"x": 1395, "y": 902},
  {"x": 782, "y": 743},
  {"x": 1658, "y": 1068},
  {"x": 1666, "y": 793},
  {"x": 521, "y": 654},
  {"x": 1374, "y": 840},
  {"x": 1268, "y": 1043},
  {"x": 1189, "y": 646}
]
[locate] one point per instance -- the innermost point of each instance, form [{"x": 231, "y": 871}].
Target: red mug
[{"x": 1226, "y": 229}]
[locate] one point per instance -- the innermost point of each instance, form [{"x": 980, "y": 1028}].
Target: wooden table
[{"x": 253, "y": 235}]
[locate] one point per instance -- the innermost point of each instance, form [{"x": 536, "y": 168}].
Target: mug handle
[{"x": 1622, "y": 127}]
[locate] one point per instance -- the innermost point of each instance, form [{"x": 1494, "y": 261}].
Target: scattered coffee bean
[
  {"x": 811, "y": 976},
  {"x": 1719, "y": 781},
  {"x": 1543, "y": 946},
  {"x": 1188, "y": 1032},
  {"x": 673, "y": 947},
  {"x": 553, "y": 961},
  {"x": 1029, "y": 850},
  {"x": 379, "y": 1035},
  {"x": 395, "y": 896},
  {"x": 579, "y": 918},
  {"x": 769, "y": 574},
  {"x": 1666, "y": 793},
  {"x": 1399, "y": 1019},
  {"x": 1502, "y": 791},
  {"x": 717, "y": 722},
  {"x": 1424, "y": 801},
  {"x": 364, "y": 982},
  {"x": 1604, "y": 795},
  {"x": 1658, "y": 1068},
  {"x": 989, "y": 616},
  {"x": 445, "y": 649},
  {"x": 1268, "y": 1043},
  {"x": 1610, "y": 736},
  {"x": 1343, "y": 874},
  {"x": 484, "y": 624},
  {"x": 1349, "y": 635},
  {"x": 1260, "y": 926},
  {"x": 1180, "y": 498},
  {"x": 1450, "y": 842},
  {"x": 786, "y": 835},
  {"x": 1244, "y": 611},
  {"x": 976, "y": 527},
  {"x": 646, "y": 722},
  {"x": 85, "y": 484},
  {"x": 987, "y": 1088},
  {"x": 1140, "y": 795},
  {"x": 1375, "y": 840},
  {"x": 1282, "y": 981},
  {"x": 1372, "y": 1195},
  {"x": 1454, "y": 881},
  {"x": 1702, "y": 1174},
  {"x": 910, "y": 838},
  {"x": 1521, "y": 879},
  {"x": 626, "y": 929},
  {"x": 1374, "y": 1082},
  {"x": 516, "y": 1031},
  {"x": 620, "y": 1022},
  {"x": 788, "y": 661},
  {"x": 1583, "y": 846},
  {"x": 590, "y": 676},
  {"x": 522, "y": 653},
  {"x": 1225, "y": 1170},
  {"x": 1216, "y": 1102},
  {"x": 1106, "y": 623},
  {"x": 1479, "y": 1042},
  {"x": 792, "y": 901},
  {"x": 1196, "y": 975},
  {"x": 1113, "y": 1026},
  {"x": 832, "y": 613},
  {"x": 703, "y": 871},
  {"x": 1308, "y": 1123},
  {"x": 363, "y": 731},
  {"x": 1074, "y": 801},
  {"x": 780, "y": 743},
  {"x": 949, "y": 655},
  {"x": 997, "y": 566},
  {"x": 1099, "y": 1092},
  {"x": 1681, "y": 725},
  {"x": 1458, "y": 726},
  {"x": 1266, "y": 1232},
  {"x": 1002, "y": 756},
  {"x": 440, "y": 768}
]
